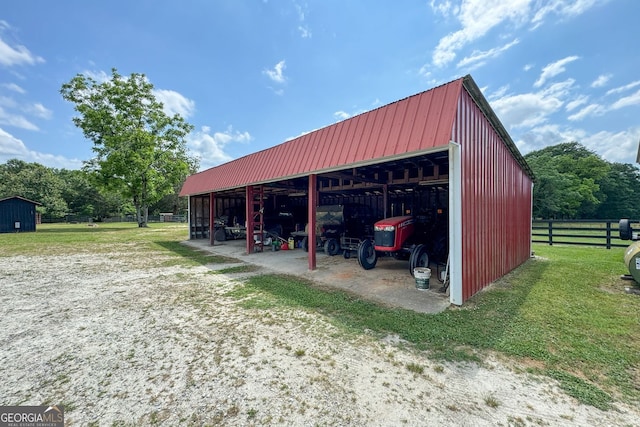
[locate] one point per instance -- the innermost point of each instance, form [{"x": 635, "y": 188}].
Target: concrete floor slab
[{"x": 389, "y": 283}]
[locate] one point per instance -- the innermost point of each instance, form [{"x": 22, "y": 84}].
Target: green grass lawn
[{"x": 564, "y": 314}]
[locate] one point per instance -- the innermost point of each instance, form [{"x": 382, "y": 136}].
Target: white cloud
[
  {"x": 559, "y": 89},
  {"x": 13, "y": 148},
  {"x": 98, "y": 76},
  {"x": 589, "y": 110},
  {"x": 502, "y": 91},
  {"x": 627, "y": 101},
  {"x": 15, "y": 120},
  {"x": 18, "y": 55},
  {"x": 341, "y": 115},
  {"x": 621, "y": 147},
  {"x": 14, "y": 88},
  {"x": 601, "y": 80},
  {"x": 210, "y": 148},
  {"x": 546, "y": 135},
  {"x": 623, "y": 88},
  {"x": 443, "y": 7},
  {"x": 553, "y": 69},
  {"x": 175, "y": 103},
  {"x": 478, "y": 58},
  {"x": 276, "y": 74},
  {"x": 39, "y": 110},
  {"x": 305, "y": 32},
  {"x": 564, "y": 8},
  {"x": 581, "y": 100},
  {"x": 525, "y": 110},
  {"x": 596, "y": 109},
  {"x": 477, "y": 18},
  {"x": 11, "y": 113}
]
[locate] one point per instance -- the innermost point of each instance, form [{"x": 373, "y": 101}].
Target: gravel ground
[{"x": 125, "y": 341}]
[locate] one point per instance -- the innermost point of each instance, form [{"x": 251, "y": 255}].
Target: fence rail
[
  {"x": 578, "y": 232},
  {"x": 128, "y": 218}
]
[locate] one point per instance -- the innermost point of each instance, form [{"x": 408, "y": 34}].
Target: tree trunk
[
  {"x": 142, "y": 215},
  {"x": 145, "y": 217}
]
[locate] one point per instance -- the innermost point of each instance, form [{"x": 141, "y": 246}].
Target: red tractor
[{"x": 401, "y": 237}]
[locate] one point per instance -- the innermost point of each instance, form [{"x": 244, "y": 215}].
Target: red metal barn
[{"x": 442, "y": 152}]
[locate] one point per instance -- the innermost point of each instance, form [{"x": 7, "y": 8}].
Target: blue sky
[{"x": 250, "y": 74}]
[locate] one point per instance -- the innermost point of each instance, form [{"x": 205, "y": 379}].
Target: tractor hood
[{"x": 395, "y": 221}]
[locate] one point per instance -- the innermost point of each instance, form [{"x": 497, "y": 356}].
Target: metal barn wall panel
[
  {"x": 413, "y": 124},
  {"x": 496, "y": 201}
]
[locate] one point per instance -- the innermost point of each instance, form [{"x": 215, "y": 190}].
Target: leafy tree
[
  {"x": 567, "y": 181},
  {"x": 140, "y": 151},
  {"x": 171, "y": 203},
  {"x": 35, "y": 182},
  {"x": 87, "y": 200},
  {"x": 573, "y": 182},
  {"x": 622, "y": 189}
]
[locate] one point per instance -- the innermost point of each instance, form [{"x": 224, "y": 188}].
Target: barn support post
[
  {"x": 455, "y": 224},
  {"x": 211, "y": 219},
  {"x": 249, "y": 216},
  {"x": 385, "y": 199},
  {"x": 189, "y": 222},
  {"x": 311, "y": 232}
]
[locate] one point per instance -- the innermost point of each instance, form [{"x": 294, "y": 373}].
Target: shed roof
[
  {"x": 20, "y": 198},
  {"x": 413, "y": 125}
]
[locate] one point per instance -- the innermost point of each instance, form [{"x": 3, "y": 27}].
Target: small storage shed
[
  {"x": 442, "y": 152},
  {"x": 17, "y": 214}
]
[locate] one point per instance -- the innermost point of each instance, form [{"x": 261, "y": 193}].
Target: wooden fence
[{"x": 578, "y": 232}]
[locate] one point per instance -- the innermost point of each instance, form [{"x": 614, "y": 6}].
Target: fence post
[
  {"x": 550, "y": 232},
  {"x": 608, "y": 234}
]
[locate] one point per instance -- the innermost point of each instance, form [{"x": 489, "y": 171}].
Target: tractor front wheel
[
  {"x": 419, "y": 258},
  {"x": 331, "y": 247},
  {"x": 367, "y": 256}
]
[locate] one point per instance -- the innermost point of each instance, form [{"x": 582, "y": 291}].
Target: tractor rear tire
[
  {"x": 624, "y": 227},
  {"x": 220, "y": 235},
  {"x": 419, "y": 258},
  {"x": 367, "y": 256},
  {"x": 331, "y": 247}
]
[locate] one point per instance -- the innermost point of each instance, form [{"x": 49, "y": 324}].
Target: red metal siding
[
  {"x": 410, "y": 125},
  {"x": 496, "y": 201}
]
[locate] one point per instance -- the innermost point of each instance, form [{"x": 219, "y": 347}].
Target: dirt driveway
[{"x": 125, "y": 341}]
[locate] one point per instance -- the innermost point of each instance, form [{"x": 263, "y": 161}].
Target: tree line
[
  {"x": 572, "y": 182},
  {"x": 74, "y": 193}
]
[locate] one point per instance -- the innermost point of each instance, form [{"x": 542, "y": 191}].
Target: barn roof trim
[
  {"x": 417, "y": 124},
  {"x": 21, "y": 198}
]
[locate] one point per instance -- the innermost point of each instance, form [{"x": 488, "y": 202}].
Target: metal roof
[
  {"x": 21, "y": 198},
  {"x": 417, "y": 124}
]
